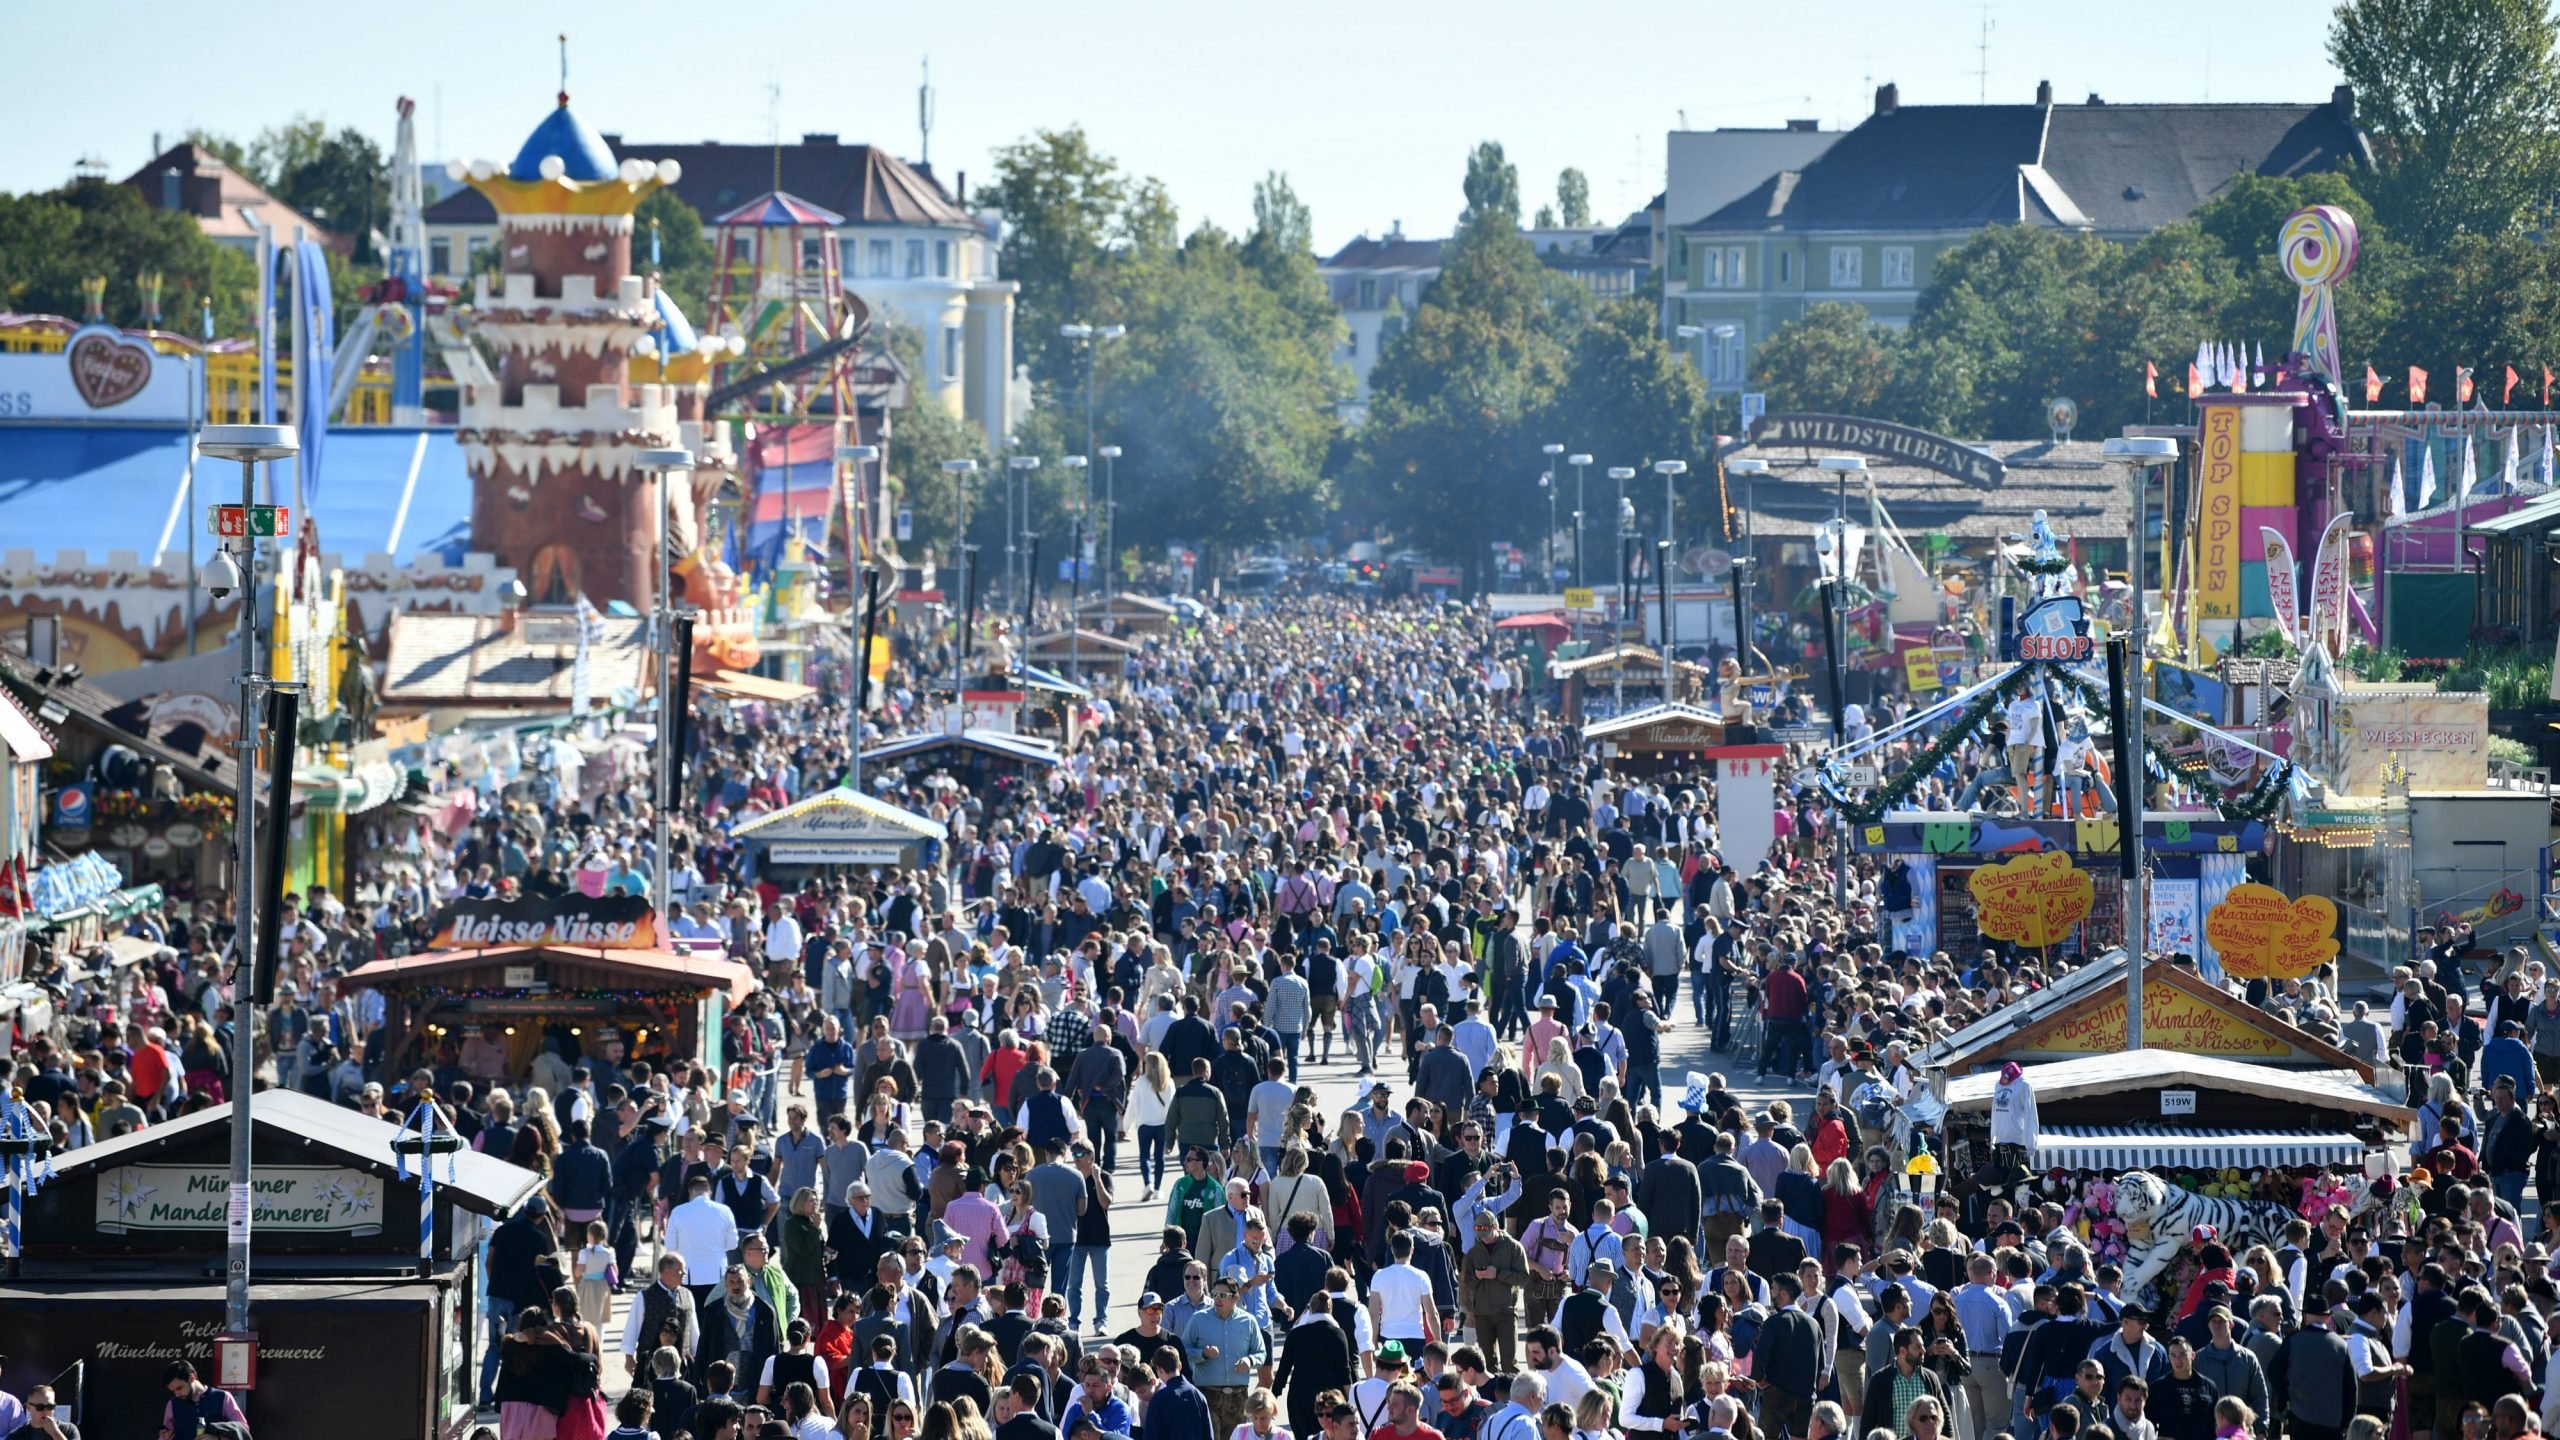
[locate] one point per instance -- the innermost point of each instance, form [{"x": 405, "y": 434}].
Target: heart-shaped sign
[
  {"x": 2260, "y": 934},
  {"x": 107, "y": 368},
  {"x": 2034, "y": 899}
]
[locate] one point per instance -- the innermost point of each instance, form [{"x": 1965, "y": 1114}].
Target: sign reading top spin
[
  {"x": 1899, "y": 443},
  {"x": 592, "y": 922}
]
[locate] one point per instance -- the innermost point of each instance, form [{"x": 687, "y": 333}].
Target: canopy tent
[
  {"x": 993, "y": 744},
  {"x": 842, "y": 827},
  {"x": 745, "y": 685}
]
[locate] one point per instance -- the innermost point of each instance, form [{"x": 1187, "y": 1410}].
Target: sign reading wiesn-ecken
[{"x": 308, "y": 1198}]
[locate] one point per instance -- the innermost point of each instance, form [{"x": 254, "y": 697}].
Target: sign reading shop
[
  {"x": 1899, "y": 443},
  {"x": 594, "y": 922},
  {"x": 301, "y": 1198}
]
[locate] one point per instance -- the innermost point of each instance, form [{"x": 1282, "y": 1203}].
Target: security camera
[{"x": 222, "y": 576}]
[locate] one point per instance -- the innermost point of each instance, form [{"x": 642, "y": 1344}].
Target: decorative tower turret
[{"x": 551, "y": 443}]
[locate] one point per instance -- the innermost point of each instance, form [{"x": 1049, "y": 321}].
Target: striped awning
[{"x": 2145, "y": 1147}]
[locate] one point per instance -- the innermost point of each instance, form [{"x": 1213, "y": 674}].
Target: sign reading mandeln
[
  {"x": 1876, "y": 437},
  {"x": 306, "y": 1198}
]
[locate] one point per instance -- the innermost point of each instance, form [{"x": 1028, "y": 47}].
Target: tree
[
  {"x": 1065, "y": 206},
  {"x": 50, "y": 242},
  {"x": 684, "y": 256},
  {"x": 1833, "y": 361},
  {"x": 2463, "y": 101},
  {"x": 1445, "y": 458},
  {"x": 1630, "y": 390},
  {"x": 341, "y": 180},
  {"x": 1573, "y": 197},
  {"x": 919, "y": 439}
]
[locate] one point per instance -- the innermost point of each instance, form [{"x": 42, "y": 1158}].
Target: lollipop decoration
[
  {"x": 26, "y": 1160},
  {"x": 426, "y": 1134},
  {"x": 2319, "y": 245}
]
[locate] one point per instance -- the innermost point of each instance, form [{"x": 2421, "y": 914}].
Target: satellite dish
[{"x": 2061, "y": 414}]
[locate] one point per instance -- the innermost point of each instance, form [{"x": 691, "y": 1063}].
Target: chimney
[
  {"x": 1804, "y": 127},
  {"x": 1888, "y": 98},
  {"x": 817, "y": 137},
  {"x": 2097, "y": 99},
  {"x": 959, "y": 187},
  {"x": 155, "y": 142},
  {"x": 2344, "y": 98},
  {"x": 2044, "y": 92}
]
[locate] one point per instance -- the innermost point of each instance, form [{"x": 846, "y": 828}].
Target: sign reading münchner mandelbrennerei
[
  {"x": 1876, "y": 437},
  {"x": 308, "y": 1198}
]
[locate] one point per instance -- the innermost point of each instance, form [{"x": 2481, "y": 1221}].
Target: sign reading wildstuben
[
  {"x": 1876, "y": 437},
  {"x": 594, "y": 922}
]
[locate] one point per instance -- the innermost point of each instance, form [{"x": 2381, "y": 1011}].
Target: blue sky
[{"x": 1371, "y": 111}]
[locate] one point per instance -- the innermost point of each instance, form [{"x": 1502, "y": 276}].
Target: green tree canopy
[
  {"x": 1573, "y": 197},
  {"x": 684, "y": 253},
  {"x": 2463, "y": 102},
  {"x": 50, "y": 242}
]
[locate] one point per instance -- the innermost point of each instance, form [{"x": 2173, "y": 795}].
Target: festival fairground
[{"x": 829, "y": 789}]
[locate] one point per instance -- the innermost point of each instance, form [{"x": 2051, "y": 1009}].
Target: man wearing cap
[
  {"x": 1492, "y": 1273},
  {"x": 1150, "y": 1330},
  {"x": 1228, "y": 1352},
  {"x": 1592, "y": 1311}
]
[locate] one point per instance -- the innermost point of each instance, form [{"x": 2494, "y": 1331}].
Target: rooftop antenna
[
  {"x": 1683, "y": 113},
  {"x": 1982, "y": 60},
  {"x": 924, "y": 117},
  {"x": 773, "y": 118},
  {"x": 564, "y": 67}
]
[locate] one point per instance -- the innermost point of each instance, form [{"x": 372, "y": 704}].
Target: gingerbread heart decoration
[
  {"x": 106, "y": 368},
  {"x": 2260, "y": 933}
]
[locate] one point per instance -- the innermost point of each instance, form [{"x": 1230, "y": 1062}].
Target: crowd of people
[{"x": 1308, "y": 841}]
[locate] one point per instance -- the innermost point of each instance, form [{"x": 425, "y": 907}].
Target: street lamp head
[
  {"x": 1847, "y": 464},
  {"x": 1670, "y": 467},
  {"x": 1577, "y": 459},
  {"x": 1725, "y": 332},
  {"x": 1746, "y": 466},
  {"x": 959, "y": 467},
  {"x": 857, "y": 452},
  {"x": 1688, "y": 332},
  {"x": 1112, "y": 332},
  {"x": 1076, "y": 332},
  {"x": 2142, "y": 449},
  {"x": 1622, "y": 472},
  {"x": 1075, "y": 462},
  {"x": 1109, "y": 452},
  {"x": 247, "y": 442},
  {"x": 1023, "y": 462},
  {"x": 1552, "y": 449},
  {"x": 660, "y": 459}
]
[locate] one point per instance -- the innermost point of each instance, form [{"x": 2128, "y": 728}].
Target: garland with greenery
[{"x": 1898, "y": 788}]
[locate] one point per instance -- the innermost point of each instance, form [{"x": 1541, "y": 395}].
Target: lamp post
[
  {"x": 959, "y": 471},
  {"x": 660, "y": 463},
  {"x": 2146, "y": 453},
  {"x": 1551, "y": 450},
  {"x": 1110, "y": 517},
  {"x": 1750, "y": 469},
  {"x": 1021, "y": 467},
  {"x": 1578, "y": 462},
  {"x": 249, "y": 445},
  {"x": 1622, "y": 474},
  {"x": 1075, "y": 558},
  {"x": 1835, "y": 625},
  {"x": 1547, "y": 483},
  {"x": 858, "y": 605},
  {"x": 1670, "y": 471},
  {"x": 1093, "y": 338}
]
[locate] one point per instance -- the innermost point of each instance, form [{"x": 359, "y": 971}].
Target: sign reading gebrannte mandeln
[
  {"x": 1876, "y": 437},
  {"x": 592, "y": 922},
  {"x": 196, "y": 1197}
]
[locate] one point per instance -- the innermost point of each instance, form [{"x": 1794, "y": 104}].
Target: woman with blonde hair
[
  {"x": 1149, "y": 1101},
  {"x": 1800, "y": 1190},
  {"x": 1559, "y": 1063},
  {"x": 1291, "y": 1191}
]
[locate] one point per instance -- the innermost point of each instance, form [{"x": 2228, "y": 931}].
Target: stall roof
[
  {"x": 996, "y": 742},
  {"x": 481, "y": 1183},
  {"x": 2012, "y": 1027},
  {"x": 746, "y": 685},
  {"x": 791, "y": 821},
  {"x": 1092, "y": 642},
  {"x": 2542, "y": 513},
  {"x": 1653, "y": 715},
  {"x": 707, "y": 972},
  {"x": 1032, "y": 677},
  {"x": 2146, "y": 1147},
  {"x": 1637, "y": 657},
  {"x": 2141, "y": 1069}
]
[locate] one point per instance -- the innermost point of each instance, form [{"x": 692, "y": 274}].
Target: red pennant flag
[
  {"x": 2372, "y": 386},
  {"x": 2461, "y": 384},
  {"x": 2508, "y": 398},
  {"x": 2417, "y": 386},
  {"x": 2195, "y": 380},
  {"x": 2150, "y": 379}
]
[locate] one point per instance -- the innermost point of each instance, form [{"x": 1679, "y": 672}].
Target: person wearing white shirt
[
  {"x": 1401, "y": 1301},
  {"x": 1567, "y": 1381},
  {"x": 701, "y": 1232},
  {"x": 782, "y": 940}
]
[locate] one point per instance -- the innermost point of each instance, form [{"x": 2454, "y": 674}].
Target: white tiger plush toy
[{"x": 2160, "y": 1217}]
